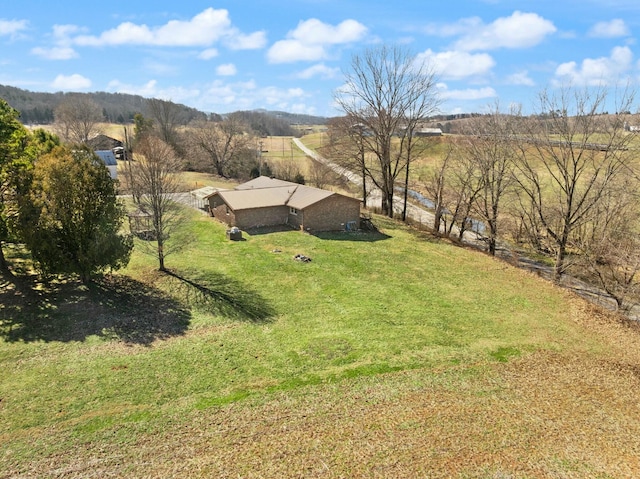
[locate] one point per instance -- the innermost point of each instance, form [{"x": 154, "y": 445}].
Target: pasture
[{"x": 390, "y": 354}]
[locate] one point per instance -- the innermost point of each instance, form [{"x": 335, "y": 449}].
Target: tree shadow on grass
[
  {"x": 112, "y": 307},
  {"x": 221, "y": 295},
  {"x": 118, "y": 307}
]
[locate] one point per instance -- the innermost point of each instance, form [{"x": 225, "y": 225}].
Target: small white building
[{"x": 109, "y": 160}]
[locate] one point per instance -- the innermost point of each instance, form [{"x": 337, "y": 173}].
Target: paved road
[{"x": 419, "y": 215}]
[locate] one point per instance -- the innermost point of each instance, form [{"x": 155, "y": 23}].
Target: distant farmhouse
[
  {"x": 428, "y": 132},
  {"x": 104, "y": 142},
  {"x": 266, "y": 201},
  {"x": 109, "y": 150},
  {"x": 109, "y": 159}
]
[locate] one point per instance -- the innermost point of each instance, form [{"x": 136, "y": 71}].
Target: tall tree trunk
[
  {"x": 161, "y": 266},
  {"x": 4, "y": 266},
  {"x": 389, "y": 203},
  {"x": 558, "y": 268},
  {"x": 406, "y": 192},
  {"x": 364, "y": 182}
]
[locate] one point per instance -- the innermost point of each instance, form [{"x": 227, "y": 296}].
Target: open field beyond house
[{"x": 390, "y": 354}]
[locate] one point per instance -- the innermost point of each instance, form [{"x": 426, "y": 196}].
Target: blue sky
[{"x": 221, "y": 56}]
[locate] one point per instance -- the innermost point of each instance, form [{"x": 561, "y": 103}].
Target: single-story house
[
  {"x": 266, "y": 201},
  {"x": 109, "y": 160}
]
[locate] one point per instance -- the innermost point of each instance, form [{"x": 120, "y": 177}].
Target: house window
[
  {"x": 228, "y": 211},
  {"x": 293, "y": 211}
]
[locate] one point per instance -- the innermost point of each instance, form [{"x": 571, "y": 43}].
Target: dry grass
[{"x": 543, "y": 415}]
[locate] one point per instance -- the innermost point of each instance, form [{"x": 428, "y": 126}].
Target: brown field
[{"x": 545, "y": 414}]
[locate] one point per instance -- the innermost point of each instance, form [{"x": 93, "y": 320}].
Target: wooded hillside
[{"x": 37, "y": 108}]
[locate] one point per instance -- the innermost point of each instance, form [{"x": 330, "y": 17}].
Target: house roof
[
  {"x": 263, "y": 182},
  {"x": 107, "y": 157},
  {"x": 103, "y": 142},
  {"x": 260, "y": 198},
  {"x": 305, "y": 196},
  {"x": 205, "y": 192},
  {"x": 263, "y": 192}
]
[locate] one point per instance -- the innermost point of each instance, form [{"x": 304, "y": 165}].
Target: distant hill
[
  {"x": 38, "y": 107},
  {"x": 295, "y": 118}
]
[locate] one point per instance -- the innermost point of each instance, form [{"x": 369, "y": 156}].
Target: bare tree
[
  {"x": 289, "y": 170},
  {"x": 155, "y": 181},
  {"x": 320, "y": 175},
  {"x": 609, "y": 245},
  {"x": 77, "y": 118},
  {"x": 568, "y": 159},
  {"x": 488, "y": 143},
  {"x": 435, "y": 187},
  {"x": 346, "y": 148},
  {"x": 221, "y": 141},
  {"x": 462, "y": 188},
  {"x": 166, "y": 117},
  {"x": 388, "y": 92}
]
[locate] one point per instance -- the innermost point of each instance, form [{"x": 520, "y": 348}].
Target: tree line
[{"x": 533, "y": 180}]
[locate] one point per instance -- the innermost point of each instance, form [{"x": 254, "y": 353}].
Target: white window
[{"x": 293, "y": 211}]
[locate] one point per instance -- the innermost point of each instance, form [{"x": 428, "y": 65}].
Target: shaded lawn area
[{"x": 399, "y": 357}]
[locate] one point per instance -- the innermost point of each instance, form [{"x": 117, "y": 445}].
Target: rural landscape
[{"x": 188, "y": 294}]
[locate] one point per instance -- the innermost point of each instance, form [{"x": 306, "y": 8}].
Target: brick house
[{"x": 266, "y": 201}]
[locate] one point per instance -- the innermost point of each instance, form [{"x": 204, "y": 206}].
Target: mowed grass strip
[{"x": 242, "y": 324}]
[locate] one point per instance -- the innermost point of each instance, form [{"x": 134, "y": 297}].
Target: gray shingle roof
[{"x": 263, "y": 192}]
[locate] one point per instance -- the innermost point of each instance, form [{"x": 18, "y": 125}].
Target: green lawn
[{"x": 242, "y": 324}]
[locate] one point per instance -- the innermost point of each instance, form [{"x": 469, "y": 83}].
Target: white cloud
[
  {"x": 62, "y": 33},
  {"x": 71, "y": 83},
  {"x": 253, "y": 41},
  {"x": 302, "y": 108},
  {"x": 461, "y": 27},
  {"x": 520, "y": 78},
  {"x": 319, "y": 70},
  {"x": 596, "y": 71},
  {"x": 286, "y": 51},
  {"x": 12, "y": 28},
  {"x": 204, "y": 29},
  {"x": 612, "y": 29},
  {"x": 223, "y": 96},
  {"x": 458, "y": 64},
  {"x": 520, "y": 30},
  {"x": 467, "y": 94},
  {"x": 228, "y": 69},
  {"x": 316, "y": 32},
  {"x": 62, "y": 44},
  {"x": 55, "y": 53},
  {"x": 311, "y": 38},
  {"x": 208, "y": 54},
  {"x": 147, "y": 90},
  {"x": 151, "y": 90}
]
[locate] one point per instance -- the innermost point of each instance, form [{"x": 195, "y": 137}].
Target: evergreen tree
[
  {"x": 75, "y": 217},
  {"x": 14, "y": 163}
]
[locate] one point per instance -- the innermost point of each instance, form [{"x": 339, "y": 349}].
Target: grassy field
[{"x": 390, "y": 354}]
